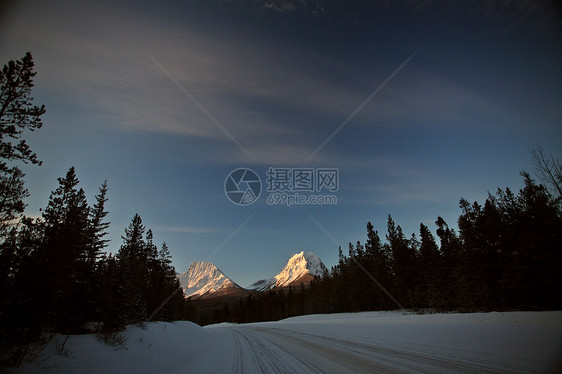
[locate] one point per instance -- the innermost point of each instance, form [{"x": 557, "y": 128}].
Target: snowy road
[
  {"x": 372, "y": 342},
  {"x": 281, "y": 350}
]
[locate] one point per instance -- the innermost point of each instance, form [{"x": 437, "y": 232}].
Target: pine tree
[
  {"x": 453, "y": 285},
  {"x": 98, "y": 227},
  {"x": 151, "y": 254},
  {"x": 17, "y": 309},
  {"x": 377, "y": 263},
  {"x": 165, "y": 257},
  {"x": 133, "y": 270},
  {"x": 97, "y": 230},
  {"x": 61, "y": 261},
  {"x": 537, "y": 225},
  {"x": 403, "y": 263},
  {"x": 12, "y": 194},
  {"x": 340, "y": 286},
  {"x": 479, "y": 261},
  {"x": 155, "y": 281},
  {"x": 430, "y": 268},
  {"x": 110, "y": 307},
  {"x": 174, "y": 307},
  {"x": 17, "y": 114},
  {"x": 360, "y": 279}
]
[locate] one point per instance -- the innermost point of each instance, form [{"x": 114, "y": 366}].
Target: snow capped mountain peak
[
  {"x": 301, "y": 268},
  {"x": 202, "y": 277},
  {"x": 298, "y": 266}
]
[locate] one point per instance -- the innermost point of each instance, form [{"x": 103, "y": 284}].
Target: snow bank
[{"x": 158, "y": 348}]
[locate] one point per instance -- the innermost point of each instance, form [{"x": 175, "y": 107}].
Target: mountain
[
  {"x": 203, "y": 278},
  {"x": 301, "y": 268}
]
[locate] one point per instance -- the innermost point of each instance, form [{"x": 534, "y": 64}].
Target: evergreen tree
[
  {"x": 453, "y": 283},
  {"x": 18, "y": 304},
  {"x": 64, "y": 253},
  {"x": 110, "y": 296},
  {"x": 132, "y": 259},
  {"x": 174, "y": 307},
  {"x": 536, "y": 224},
  {"x": 17, "y": 114},
  {"x": 98, "y": 227},
  {"x": 97, "y": 230},
  {"x": 12, "y": 194},
  {"x": 403, "y": 263},
  {"x": 430, "y": 267},
  {"x": 378, "y": 264},
  {"x": 340, "y": 275}
]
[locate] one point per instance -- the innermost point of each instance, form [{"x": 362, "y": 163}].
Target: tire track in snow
[
  {"x": 261, "y": 352},
  {"x": 258, "y": 355},
  {"x": 275, "y": 350}
]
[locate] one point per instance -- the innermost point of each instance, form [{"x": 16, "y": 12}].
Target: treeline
[
  {"x": 506, "y": 255},
  {"x": 54, "y": 273},
  {"x": 56, "y": 277}
]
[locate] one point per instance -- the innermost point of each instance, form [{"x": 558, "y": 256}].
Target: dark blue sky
[{"x": 165, "y": 100}]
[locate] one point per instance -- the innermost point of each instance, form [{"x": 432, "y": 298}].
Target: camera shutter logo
[{"x": 242, "y": 186}]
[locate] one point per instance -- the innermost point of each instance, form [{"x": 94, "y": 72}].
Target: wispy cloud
[
  {"x": 387, "y": 181},
  {"x": 189, "y": 229},
  {"x": 278, "y": 103},
  {"x": 432, "y": 100}
]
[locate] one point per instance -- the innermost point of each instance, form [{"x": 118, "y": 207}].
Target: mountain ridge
[{"x": 203, "y": 279}]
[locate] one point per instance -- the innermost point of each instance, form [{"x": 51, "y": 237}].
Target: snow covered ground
[{"x": 371, "y": 342}]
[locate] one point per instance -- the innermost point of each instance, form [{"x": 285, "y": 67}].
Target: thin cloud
[
  {"x": 189, "y": 229},
  {"x": 276, "y": 106}
]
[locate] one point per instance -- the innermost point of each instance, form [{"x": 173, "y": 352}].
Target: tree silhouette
[{"x": 17, "y": 114}]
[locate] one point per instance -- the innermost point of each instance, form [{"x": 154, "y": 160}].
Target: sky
[{"x": 414, "y": 103}]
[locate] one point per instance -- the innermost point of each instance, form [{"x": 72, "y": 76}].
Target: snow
[
  {"x": 514, "y": 342},
  {"x": 314, "y": 265},
  {"x": 202, "y": 277},
  {"x": 262, "y": 285},
  {"x": 299, "y": 265}
]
